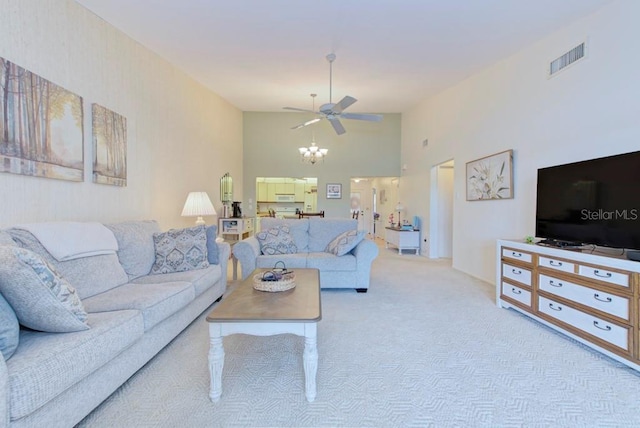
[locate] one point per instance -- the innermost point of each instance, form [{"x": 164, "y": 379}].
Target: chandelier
[{"x": 313, "y": 153}]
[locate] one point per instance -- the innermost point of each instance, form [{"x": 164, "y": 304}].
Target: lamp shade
[
  {"x": 399, "y": 207},
  {"x": 198, "y": 204}
]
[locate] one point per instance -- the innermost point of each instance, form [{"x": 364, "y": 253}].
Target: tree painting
[
  {"x": 40, "y": 126},
  {"x": 109, "y": 147}
]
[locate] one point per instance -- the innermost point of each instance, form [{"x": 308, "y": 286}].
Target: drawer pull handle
[
  {"x": 514, "y": 254},
  {"x": 605, "y": 328},
  {"x": 596, "y": 272},
  {"x": 516, "y": 272},
  {"x": 555, "y": 263},
  {"x": 559, "y": 308},
  {"x": 515, "y": 291},
  {"x": 597, "y": 297},
  {"x": 551, "y": 282}
]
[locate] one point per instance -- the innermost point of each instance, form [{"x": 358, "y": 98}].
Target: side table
[{"x": 402, "y": 239}]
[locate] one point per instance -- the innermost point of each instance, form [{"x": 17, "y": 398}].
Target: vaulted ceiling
[{"x": 262, "y": 55}]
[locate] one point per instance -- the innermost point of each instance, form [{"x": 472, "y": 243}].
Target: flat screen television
[{"x": 591, "y": 202}]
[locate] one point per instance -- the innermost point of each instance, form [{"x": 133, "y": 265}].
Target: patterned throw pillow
[
  {"x": 41, "y": 298},
  {"x": 179, "y": 250},
  {"x": 277, "y": 240},
  {"x": 345, "y": 242}
]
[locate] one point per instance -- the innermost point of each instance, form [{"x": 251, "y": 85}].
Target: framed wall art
[
  {"x": 490, "y": 177},
  {"x": 334, "y": 191},
  {"x": 41, "y": 131},
  {"x": 109, "y": 146}
]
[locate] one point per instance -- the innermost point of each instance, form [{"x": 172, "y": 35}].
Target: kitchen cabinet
[
  {"x": 262, "y": 193},
  {"x": 299, "y": 192}
]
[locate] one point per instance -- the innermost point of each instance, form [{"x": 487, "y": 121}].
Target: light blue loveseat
[
  {"x": 311, "y": 237},
  {"x": 56, "y": 379}
]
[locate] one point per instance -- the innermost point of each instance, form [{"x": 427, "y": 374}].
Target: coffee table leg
[
  {"x": 310, "y": 360},
  {"x": 216, "y": 361}
]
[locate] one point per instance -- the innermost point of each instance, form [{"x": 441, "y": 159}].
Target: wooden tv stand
[{"x": 591, "y": 298}]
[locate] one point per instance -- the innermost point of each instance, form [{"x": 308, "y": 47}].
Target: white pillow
[
  {"x": 41, "y": 298},
  {"x": 277, "y": 240},
  {"x": 179, "y": 250},
  {"x": 345, "y": 242}
]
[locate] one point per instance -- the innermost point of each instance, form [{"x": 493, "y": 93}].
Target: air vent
[{"x": 567, "y": 59}]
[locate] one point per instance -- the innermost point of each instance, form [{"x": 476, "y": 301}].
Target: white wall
[
  {"x": 271, "y": 150},
  {"x": 181, "y": 136},
  {"x": 589, "y": 110}
]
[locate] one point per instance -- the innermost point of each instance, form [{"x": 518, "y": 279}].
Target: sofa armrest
[
  {"x": 224, "y": 252},
  {"x": 366, "y": 251},
  {"x": 247, "y": 252},
  {"x": 4, "y": 394}
]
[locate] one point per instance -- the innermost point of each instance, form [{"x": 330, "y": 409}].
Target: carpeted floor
[{"x": 425, "y": 347}]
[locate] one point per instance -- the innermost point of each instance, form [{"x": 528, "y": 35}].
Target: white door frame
[{"x": 434, "y": 200}]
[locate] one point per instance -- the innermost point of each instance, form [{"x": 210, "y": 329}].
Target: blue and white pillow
[
  {"x": 345, "y": 242},
  {"x": 41, "y": 298},
  {"x": 277, "y": 240},
  {"x": 180, "y": 250}
]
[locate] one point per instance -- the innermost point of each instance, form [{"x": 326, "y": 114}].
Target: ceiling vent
[{"x": 567, "y": 59}]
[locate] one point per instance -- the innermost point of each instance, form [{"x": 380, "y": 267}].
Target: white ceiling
[{"x": 262, "y": 55}]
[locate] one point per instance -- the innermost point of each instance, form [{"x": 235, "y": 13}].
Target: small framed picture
[{"x": 334, "y": 191}]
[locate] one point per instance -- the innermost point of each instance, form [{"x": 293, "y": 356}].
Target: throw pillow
[
  {"x": 41, "y": 298},
  {"x": 9, "y": 329},
  {"x": 276, "y": 240},
  {"x": 212, "y": 246},
  {"x": 179, "y": 250},
  {"x": 345, "y": 242}
]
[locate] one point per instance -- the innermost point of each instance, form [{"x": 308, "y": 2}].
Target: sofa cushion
[
  {"x": 344, "y": 242},
  {"x": 46, "y": 364},
  {"x": 276, "y": 240},
  {"x": 201, "y": 279},
  {"x": 156, "y": 301},
  {"x": 212, "y": 246},
  {"x": 298, "y": 228},
  {"x": 179, "y": 250},
  {"x": 88, "y": 275},
  {"x": 322, "y": 231},
  {"x": 41, "y": 298},
  {"x": 136, "y": 250},
  {"x": 9, "y": 329},
  {"x": 329, "y": 262},
  {"x": 298, "y": 260}
]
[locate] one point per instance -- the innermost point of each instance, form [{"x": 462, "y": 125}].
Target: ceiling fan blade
[
  {"x": 337, "y": 126},
  {"x": 360, "y": 116},
  {"x": 343, "y": 104},
  {"x": 307, "y": 123},
  {"x": 300, "y": 109}
]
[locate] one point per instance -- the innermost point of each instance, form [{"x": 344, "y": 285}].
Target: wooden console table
[{"x": 402, "y": 239}]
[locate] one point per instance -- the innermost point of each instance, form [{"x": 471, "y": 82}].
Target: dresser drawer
[
  {"x": 517, "y": 255},
  {"x": 561, "y": 265},
  {"x": 605, "y": 302},
  {"x": 521, "y": 275},
  {"x": 605, "y": 330},
  {"x": 516, "y": 293},
  {"x": 602, "y": 274}
]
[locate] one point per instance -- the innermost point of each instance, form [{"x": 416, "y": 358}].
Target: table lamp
[
  {"x": 198, "y": 204},
  {"x": 399, "y": 208}
]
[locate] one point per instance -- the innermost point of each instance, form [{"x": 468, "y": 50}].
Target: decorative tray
[{"x": 273, "y": 281}]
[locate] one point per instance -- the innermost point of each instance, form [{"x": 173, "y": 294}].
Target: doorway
[{"x": 441, "y": 215}]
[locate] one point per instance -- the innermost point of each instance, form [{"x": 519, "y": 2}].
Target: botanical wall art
[
  {"x": 490, "y": 177},
  {"x": 40, "y": 126},
  {"x": 109, "y": 146}
]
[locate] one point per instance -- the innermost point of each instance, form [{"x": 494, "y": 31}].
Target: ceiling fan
[{"x": 334, "y": 112}]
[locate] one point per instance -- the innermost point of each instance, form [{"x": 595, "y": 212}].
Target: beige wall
[
  {"x": 587, "y": 111},
  {"x": 367, "y": 149},
  {"x": 181, "y": 136}
]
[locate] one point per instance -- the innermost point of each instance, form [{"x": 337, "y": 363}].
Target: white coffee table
[{"x": 259, "y": 313}]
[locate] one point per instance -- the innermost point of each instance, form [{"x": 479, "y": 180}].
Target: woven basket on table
[{"x": 287, "y": 282}]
